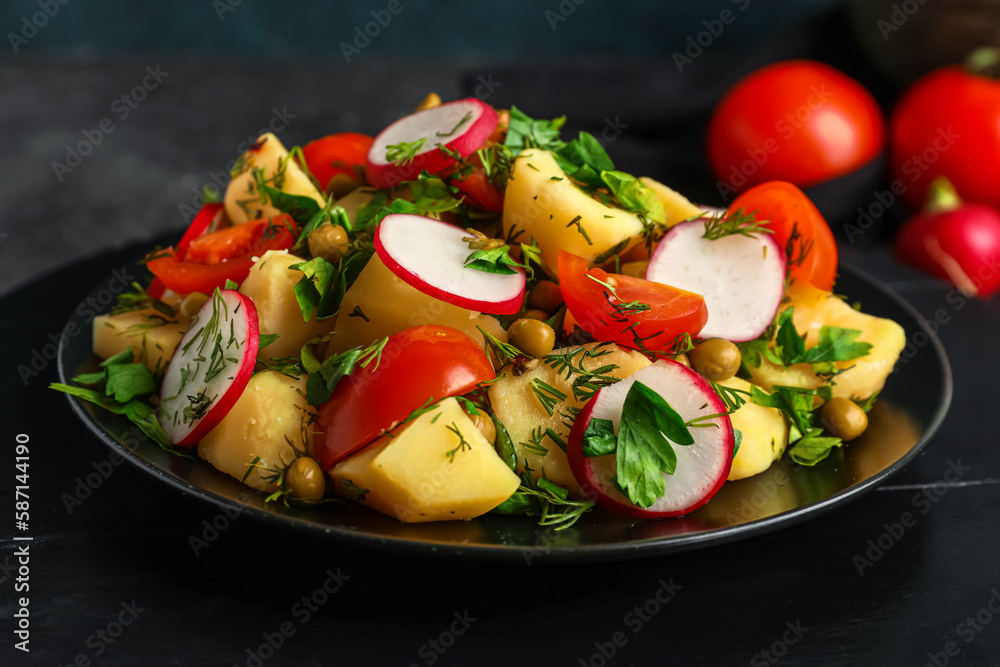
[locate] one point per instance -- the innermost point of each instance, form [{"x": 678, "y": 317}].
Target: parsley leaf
[
  {"x": 267, "y": 339},
  {"x": 635, "y": 196},
  {"x": 302, "y": 209},
  {"x": 795, "y": 402},
  {"x": 493, "y": 260},
  {"x": 599, "y": 438},
  {"x": 432, "y": 194},
  {"x": 318, "y": 290},
  {"x": 648, "y": 426},
  {"x": 836, "y": 344},
  {"x": 526, "y": 132},
  {"x": 128, "y": 381},
  {"x": 324, "y": 377},
  {"x": 813, "y": 448},
  {"x": 584, "y": 159}
]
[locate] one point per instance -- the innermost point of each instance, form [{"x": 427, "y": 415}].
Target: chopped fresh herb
[
  {"x": 128, "y": 381},
  {"x": 647, "y": 428},
  {"x": 579, "y": 227},
  {"x": 465, "y": 119},
  {"x": 867, "y": 403},
  {"x": 324, "y": 377},
  {"x": 138, "y": 299},
  {"x": 737, "y": 441},
  {"x": 267, "y": 339},
  {"x": 353, "y": 488},
  {"x": 357, "y": 312},
  {"x": 635, "y": 196},
  {"x": 319, "y": 291},
  {"x": 525, "y": 132},
  {"x": 302, "y": 209},
  {"x": 545, "y": 500},
  {"x": 404, "y": 152},
  {"x": 813, "y": 447},
  {"x": 737, "y": 222},
  {"x": 462, "y": 445},
  {"x": 547, "y": 395},
  {"x": 599, "y": 438}
]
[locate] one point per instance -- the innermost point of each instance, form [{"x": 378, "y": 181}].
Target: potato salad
[{"x": 472, "y": 313}]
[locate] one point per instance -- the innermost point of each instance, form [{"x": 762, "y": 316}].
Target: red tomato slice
[
  {"x": 336, "y": 154},
  {"x": 202, "y": 221},
  {"x": 671, "y": 311},
  {"x": 788, "y": 209},
  {"x": 480, "y": 191},
  {"x": 227, "y": 254},
  {"x": 418, "y": 366}
]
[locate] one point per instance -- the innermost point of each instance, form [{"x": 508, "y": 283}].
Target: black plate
[{"x": 903, "y": 421}]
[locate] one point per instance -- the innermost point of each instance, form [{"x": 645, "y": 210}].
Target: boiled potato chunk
[
  {"x": 271, "y": 287},
  {"x": 390, "y": 305},
  {"x": 242, "y": 199},
  {"x": 765, "y": 435},
  {"x": 436, "y": 468},
  {"x": 267, "y": 420},
  {"x": 546, "y": 210},
  {"x": 517, "y": 406},
  {"x": 354, "y": 201},
  {"x": 676, "y": 206},
  {"x": 865, "y": 375},
  {"x": 152, "y": 336}
]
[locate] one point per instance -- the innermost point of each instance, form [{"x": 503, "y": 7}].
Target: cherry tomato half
[
  {"x": 644, "y": 316},
  {"x": 227, "y": 254},
  {"x": 418, "y": 365},
  {"x": 202, "y": 221},
  {"x": 799, "y": 121},
  {"x": 812, "y": 254},
  {"x": 336, "y": 154}
]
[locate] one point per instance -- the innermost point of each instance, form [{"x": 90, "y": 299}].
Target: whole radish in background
[
  {"x": 955, "y": 240},
  {"x": 948, "y": 124}
]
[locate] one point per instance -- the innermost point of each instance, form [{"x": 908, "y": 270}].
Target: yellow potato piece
[
  {"x": 426, "y": 471},
  {"x": 242, "y": 199},
  {"x": 865, "y": 375},
  {"x": 553, "y": 212},
  {"x": 517, "y": 406},
  {"x": 390, "y": 306},
  {"x": 765, "y": 434},
  {"x": 271, "y": 413},
  {"x": 152, "y": 336},
  {"x": 271, "y": 287},
  {"x": 676, "y": 206}
]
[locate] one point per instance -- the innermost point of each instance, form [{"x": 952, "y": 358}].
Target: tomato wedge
[
  {"x": 202, "y": 221},
  {"x": 337, "y": 154},
  {"x": 639, "y": 314},
  {"x": 812, "y": 254},
  {"x": 227, "y": 254},
  {"x": 479, "y": 191},
  {"x": 418, "y": 366}
]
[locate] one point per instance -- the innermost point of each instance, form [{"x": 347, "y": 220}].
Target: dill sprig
[{"x": 736, "y": 222}]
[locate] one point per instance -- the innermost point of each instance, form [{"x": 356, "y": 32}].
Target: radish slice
[
  {"x": 430, "y": 255},
  {"x": 702, "y": 468},
  {"x": 741, "y": 277},
  {"x": 211, "y": 368},
  {"x": 462, "y": 127}
]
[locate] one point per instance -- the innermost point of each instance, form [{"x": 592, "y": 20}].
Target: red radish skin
[
  {"x": 462, "y": 127},
  {"x": 241, "y": 342},
  {"x": 430, "y": 255},
  {"x": 702, "y": 468},
  {"x": 741, "y": 277},
  {"x": 954, "y": 240}
]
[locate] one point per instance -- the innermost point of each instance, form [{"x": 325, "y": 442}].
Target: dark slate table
[{"x": 114, "y": 579}]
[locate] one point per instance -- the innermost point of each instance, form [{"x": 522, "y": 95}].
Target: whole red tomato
[
  {"x": 948, "y": 124},
  {"x": 799, "y": 121},
  {"x": 418, "y": 366}
]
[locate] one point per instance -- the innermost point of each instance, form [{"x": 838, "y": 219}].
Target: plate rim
[{"x": 643, "y": 548}]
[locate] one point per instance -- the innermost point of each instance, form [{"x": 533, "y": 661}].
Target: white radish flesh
[
  {"x": 462, "y": 127},
  {"x": 430, "y": 255},
  {"x": 211, "y": 367},
  {"x": 741, "y": 277},
  {"x": 702, "y": 467}
]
